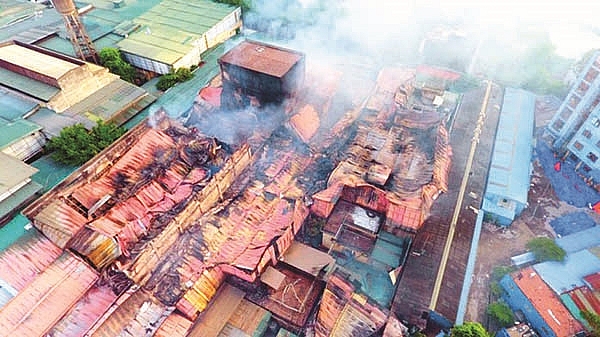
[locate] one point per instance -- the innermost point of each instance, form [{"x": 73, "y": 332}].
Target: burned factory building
[
  {"x": 280, "y": 204},
  {"x": 260, "y": 74}
]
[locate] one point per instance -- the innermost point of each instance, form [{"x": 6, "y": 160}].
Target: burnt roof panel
[{"x": 262, "y": 58}]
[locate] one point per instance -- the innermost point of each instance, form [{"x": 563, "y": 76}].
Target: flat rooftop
[{"x": 262, "y": 58}]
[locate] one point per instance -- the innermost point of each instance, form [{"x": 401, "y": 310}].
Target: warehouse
[
  {"x": 510, "y": 170},
  {"x": 174, "y": 33}
]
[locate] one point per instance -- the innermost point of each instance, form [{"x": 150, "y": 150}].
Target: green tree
[
  {"x": 113, "y": 60},
  {"x": 168, "y": 80},
  {"x": 546, "y": 249},
  {"x": 469, "y": 329},
  {"x": 500, "y": 312},
  {"x": 593, "y": 320},
  {"x": 75, "y": 145},
  {"x": 245, "y": 4}
]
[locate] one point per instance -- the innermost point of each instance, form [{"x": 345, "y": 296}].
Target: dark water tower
[{"x": 84, "y": 49}]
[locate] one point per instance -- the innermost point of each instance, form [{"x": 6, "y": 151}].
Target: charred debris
[{"x": 276, "y": 159}]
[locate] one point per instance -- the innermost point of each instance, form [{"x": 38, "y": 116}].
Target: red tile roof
[{"x": 546, "y": 303}]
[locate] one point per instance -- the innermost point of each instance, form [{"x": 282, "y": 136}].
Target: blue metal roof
[
  {"x": 567, "y": 275},
  {"x": 509, "y": 173},
  {"x": 581, "y": 240}
]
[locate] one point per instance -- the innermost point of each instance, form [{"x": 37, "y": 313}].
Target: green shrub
[
  {"x": 501, "y": 313},
  {"x": 546, "y": 249}
]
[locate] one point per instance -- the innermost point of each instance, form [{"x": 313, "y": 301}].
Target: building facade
[{"x": 575, "y": 128}]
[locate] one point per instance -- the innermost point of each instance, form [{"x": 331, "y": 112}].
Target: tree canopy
[
  {"x": 545, "y": 249},
  {"x": 594, "y": 322},
  {"x": 112, "y": 59},
  {"x": 75, "y": 145},
  {"x": 168, "y": 80},
  {"x": 500, "y": 312},
  {"x": 469, "y": 329}
]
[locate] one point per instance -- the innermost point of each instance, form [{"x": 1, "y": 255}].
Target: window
[
  {"x": 596, "y": 122},
  {"x": 592, "y": 156},
  {"x": 573, "y": 101},
  {"x": 566, "y": 113},
  {"x": 583, "y": 87},
  {"x": 586, "y": 168},
  {"x": 598, "y": 144},
  {"x": 558, "y": 124},
  {"x": 591, "y": 75},
  {"x": 578, "y": 145},
  {"x": 587, "y": 133}
]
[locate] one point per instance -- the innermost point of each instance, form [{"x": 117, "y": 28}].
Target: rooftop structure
[
  {"x": 509, "y": 174},
  {"x": 16, "y": 187},
  {"x": 527, "y": 292},
  {"x": 256, "y": 73},
  {"x": 174, "y": 33},
  {"x": 81, "y": 92},
  {"x": 397, "y": 170},
  {"x": 574, "y": 127},
  {"x": 568, "y": 274}
]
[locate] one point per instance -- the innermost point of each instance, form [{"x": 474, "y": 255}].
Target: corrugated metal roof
[
  {"x": 581, "y": 240},
  {"x": 35, "y": 61},
  {"x": 26, "y": 85},
  {"x": 546, "y": 302},
  {"x": 171, "y": 28},
  {"x": 84, "y": 313},
  {"x": 13, "y": 172},
  {"x": 53, "y": 122},
  {"x": 174, "y": 326},
  {"x": 13, "y": 107},
  {"x": 108, "y": 101},
  {"x": 42, "y": 303},
  {"x": 27, "y": 257},
  {"x": 569, "y": 274},
  {"x": 262, "y": 58},
  {"x": 510, "y": 168},
  {"x": 12, "y": 132},
  {"x": 135, "y": 313},
  {"x": 20, "y": 197},
  {"x": 593, "y": 281},
  {"x": 12, "y": 231}
]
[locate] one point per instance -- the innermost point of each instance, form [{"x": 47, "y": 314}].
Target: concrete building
[
  {"x": 574, "y": 129},
  {"x": 174, "y": 33},
  {"x": 510, "y": 170}
]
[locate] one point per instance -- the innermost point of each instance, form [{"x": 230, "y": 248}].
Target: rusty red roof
[
  {"x": 305, "y": 122},
  {"x": 546, "y": 303},
  {"x": 84, "y": 313},
  {"x": 22, "y": 261},
  {"x": 443, "y": 74},
  {"x": 44, "y": 301},
  {"x": 262, "y": 58},
  {"x": 593, "y": 280}
]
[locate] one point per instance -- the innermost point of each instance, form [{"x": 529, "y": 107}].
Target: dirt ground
[{"x": 497, "y": 245}]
